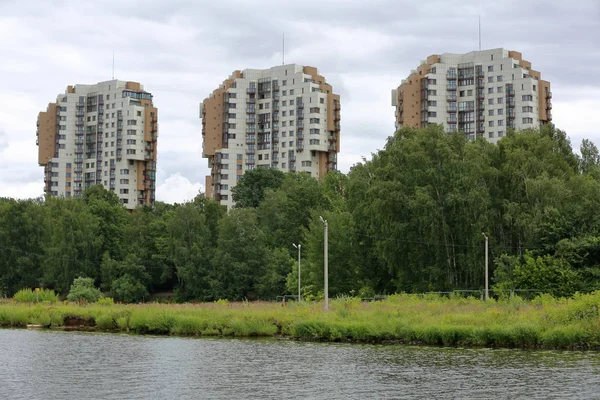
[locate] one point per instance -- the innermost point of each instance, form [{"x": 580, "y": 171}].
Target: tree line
[{"x": 408, "y": 220}]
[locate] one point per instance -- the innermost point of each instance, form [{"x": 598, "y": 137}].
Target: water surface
[{"x": 60, "y": 365}]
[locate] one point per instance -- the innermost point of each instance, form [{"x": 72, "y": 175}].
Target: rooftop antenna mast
[
  {"x": 113, "y": 67},
  {"x": 283, "y": 49},
  {"x": 479, "y": 32}
]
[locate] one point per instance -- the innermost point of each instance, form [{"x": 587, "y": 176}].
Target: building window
[
  {"x": 431, "y": 114},
  {"x": 490, "y": 68},
  {"x": 491, "y": 124},
  {"x": 491, "y": 135},
  {"x": 124, "y": 191},
  {"x": 432, "y": 92},
  {"x": 315, "y": 141},
  {"x": 129, "y": 141},
  {"x": 306, "y": 163},
  {"x": 432, "y": 103},
  {"x": 501, "y": 111},
  {"x": 130, "y": 151},
  {"x": 491, "y": 113},
  {"x": 527, "y": 97},
  {"x": 528, "y": 120},
  {"x": 527, "y": 109},
  {"x": 500, "y": 133},
  {"x": 499, "y": 78},
  {"x": 124, "y": 172},
  {"x": 490, "y": 101},
  {"x": 499, "y": 89},
  {"x": 500, "y": 100},
  {"x": 315, "y": 120},
  {"x": 490, "y": 90},
  {"x": 500, "y": 122},
  {"x": 490, "y": 79},
  {"x": 124, "y": 181}
]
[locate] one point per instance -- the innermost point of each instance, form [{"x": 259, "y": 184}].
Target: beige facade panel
[
  {"x": 208, "y": 187},
  {"x": 135, "y": 86},
  {"x": 47, "y": 134}
]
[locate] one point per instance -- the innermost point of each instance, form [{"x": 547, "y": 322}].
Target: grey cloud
[{"x": 182, "y": 50}]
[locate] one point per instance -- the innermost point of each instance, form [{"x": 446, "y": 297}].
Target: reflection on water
[{"x": 57, "y": 365}]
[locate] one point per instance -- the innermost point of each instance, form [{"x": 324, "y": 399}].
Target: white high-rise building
[
  {"x": 102, "y": 134},
  {"x": 481, "y": 93},
  {"x": 285, "y": 117}
]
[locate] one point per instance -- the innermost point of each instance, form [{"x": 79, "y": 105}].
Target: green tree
[
  {"x": 250, "y": 190},
  {"x": 241, "y": 259}
]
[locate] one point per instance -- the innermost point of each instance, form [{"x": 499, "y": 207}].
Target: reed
[{"x": 544, "y": 322}]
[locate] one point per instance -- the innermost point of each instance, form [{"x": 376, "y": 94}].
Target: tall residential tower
[
  {"x": 285, "y": 117},
  {"x": 481, "y": 93},
  {"x": 102, "y": 134}
]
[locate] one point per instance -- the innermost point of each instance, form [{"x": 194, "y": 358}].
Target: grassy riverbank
[{"x": 544, "y": 322}]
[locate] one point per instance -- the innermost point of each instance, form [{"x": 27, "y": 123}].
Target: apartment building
[
  {"x": 481, "y": 94},
  {"x": 102, "y": 134},
  {"x": 286, "y": 117}
]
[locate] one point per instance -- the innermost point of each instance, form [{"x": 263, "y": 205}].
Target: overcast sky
[{"x": 182, "y": 50}]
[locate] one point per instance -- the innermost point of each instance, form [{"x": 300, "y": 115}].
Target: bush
[
  {"x": 105, "y": 301},
  {"x": 29, "y": 296},
  {"x": 83, "y": 289},
  {"x": 128, "y": 289}
]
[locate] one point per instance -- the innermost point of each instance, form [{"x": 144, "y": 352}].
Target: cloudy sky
[{"x": 182, "y": 50}]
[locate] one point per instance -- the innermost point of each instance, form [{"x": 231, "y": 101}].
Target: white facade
[
  {"x": 274, "y": 118},
  {"x": 101, "y": 139},
  {"x": 481, "y": 93}
]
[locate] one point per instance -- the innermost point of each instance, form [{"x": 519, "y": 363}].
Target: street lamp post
[
  {"x": 487, "y": 293},
  {"x": 299, "y": 247},
  {"x": 326, "y": 272}
]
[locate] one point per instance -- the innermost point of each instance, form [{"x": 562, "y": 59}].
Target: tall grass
[
  {"x": 545, "y": 322},
  {"x": 30, "y": 296}
]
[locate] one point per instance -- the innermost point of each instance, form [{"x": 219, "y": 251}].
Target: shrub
[
  {"x": 105, "y": 301},
  {"x": 83, "y": 289}
]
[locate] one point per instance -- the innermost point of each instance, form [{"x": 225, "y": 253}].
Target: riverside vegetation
[
  {"x": 544, "y": 322},
  {"x": 409, "y": 220}
]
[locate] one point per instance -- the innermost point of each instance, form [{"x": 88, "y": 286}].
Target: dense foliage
[{"x": 411, "y": 219}]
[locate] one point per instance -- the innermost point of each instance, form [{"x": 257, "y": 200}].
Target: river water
[{"x": 61, "y": 365}]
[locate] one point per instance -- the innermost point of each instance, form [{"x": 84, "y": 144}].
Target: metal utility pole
[
  {"x": 487, "y": 293},
  {"x": 299, "y": 247},
  {"x": 326, "y": 233}
]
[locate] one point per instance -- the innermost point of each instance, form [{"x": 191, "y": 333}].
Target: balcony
[
  {"x": 300, "y": 105},
  {"x": 451, "y": 98},
  {"x": 250, "y": 110},
  {"x": 250, "y": 140},
  {"x": 510, "y": 92},
  {"x": 251, "y": 100},
  {"x": 548, "y": 95},
  {"x": 332, "y": 147},
  {"x": 336, "y": 107},
  {"x": 275, "y": 139},
  {"x": 250, "y": 150},
  {"x": 249, "y": 161},
  {"x": 548, "y": 106},
  {"x": 251, "y": 90},
  {"x": 451, "y": 75},
  {"x": 451, "y": 120},
  {"x": 451, "y": 88}
]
